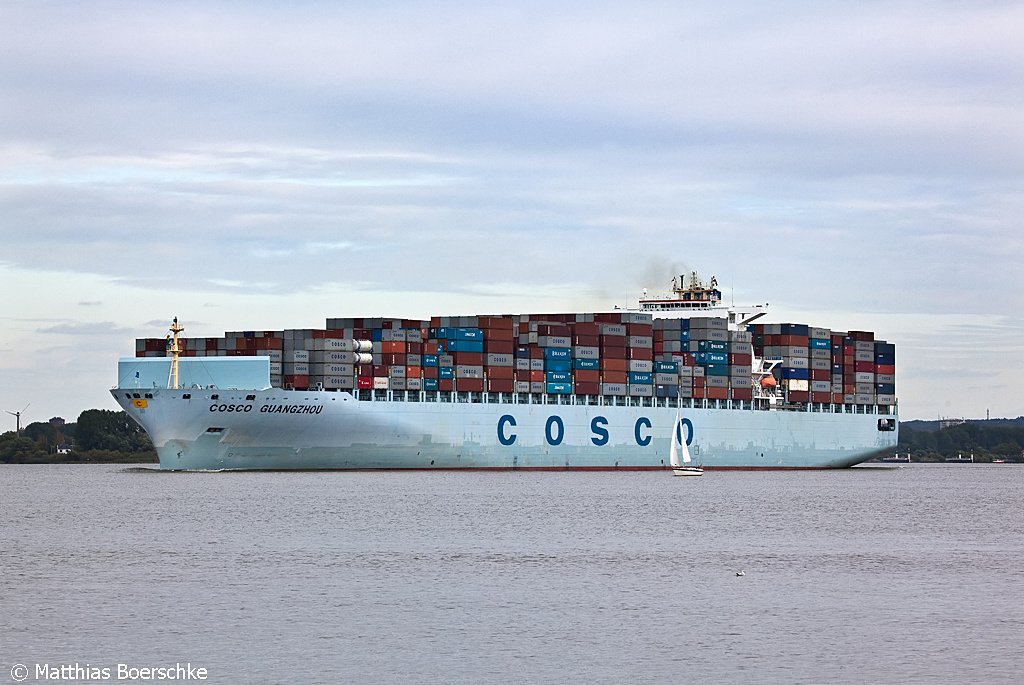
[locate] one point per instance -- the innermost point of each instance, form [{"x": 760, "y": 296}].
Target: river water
[{"x": 872, "y": 574}]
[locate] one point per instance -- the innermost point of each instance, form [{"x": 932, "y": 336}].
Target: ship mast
[{"x": 172, "y": 347}]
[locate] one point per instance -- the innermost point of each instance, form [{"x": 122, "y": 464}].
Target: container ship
[{"x": 590, "y": 391}]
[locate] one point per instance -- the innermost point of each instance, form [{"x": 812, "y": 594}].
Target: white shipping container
[
  {"x": 295, "y": 356},
  {"x": 499, "y": 359},
  {"x": 637, "y": 390},
  {"x": 581, "y": 352},
  {"x": 554, "y": 341},
  {"x": 380, "y": 383},
  {"x": 469, "y": 371},
  {"x": 740, "y": 382},
  {"x": 336, "y": 382},
  {"x": 797, "y": 384},
  {"x": 641, "y": 366},
  {"x": 618, "y": 389}
]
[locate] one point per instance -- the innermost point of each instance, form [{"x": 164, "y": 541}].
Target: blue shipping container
[
  {"x": 586, "y": 364},
  {"x": 558, "y": 353},
  {"x": 465, "y": 345},
  {"x": 558, "y": 377},
  {"x": 641, "y": 378},
  {"x": 558, "y": 365},
  {"x": 796, "y": 374},
  {"x": 559, "y": 388}
]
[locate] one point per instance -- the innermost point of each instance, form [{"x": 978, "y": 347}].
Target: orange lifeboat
[{"x": 768, "y": 382}]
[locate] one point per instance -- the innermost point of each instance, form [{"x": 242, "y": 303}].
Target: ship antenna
[{"x": 172, "y": 339}]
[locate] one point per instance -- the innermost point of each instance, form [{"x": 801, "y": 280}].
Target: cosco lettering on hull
[{"x": 554, "y": 431}]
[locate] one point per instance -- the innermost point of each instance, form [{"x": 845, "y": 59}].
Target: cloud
[{"x": 101, "y": 328}]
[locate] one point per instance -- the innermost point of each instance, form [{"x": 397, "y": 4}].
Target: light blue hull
[{"x": 278, "y": 429}]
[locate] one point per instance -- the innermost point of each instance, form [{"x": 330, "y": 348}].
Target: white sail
[
  {"x": 677, "y": 445},
  {"x": 673, "y": 454}
]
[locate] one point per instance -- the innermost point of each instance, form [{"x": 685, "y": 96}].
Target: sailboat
[{"x": 686, "y": 467}]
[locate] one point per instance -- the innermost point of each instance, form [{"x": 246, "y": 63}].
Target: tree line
[
  {"x": 986, "y": 440},
  {"x": 99, "y": 435}
]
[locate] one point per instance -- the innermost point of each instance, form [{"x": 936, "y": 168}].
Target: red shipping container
[
  {"x": 587, "y": 376},
  {"x": 715, "y": 393},
  {"x": 446, "y": 384},
  {"x": 614, "y": 376},
  {"x": 837, "y": 398},
  {"x": 470, "y": 385},
  {"x": 587, "y": 388},
  {"x": 738, "y": 359},
  {"x": 821, "y": 397},
  {"x": 469, "y": 358},
  {"x": 496, "y": 322},
  {"x": 413, "y": 371},
  {"x": 586, "y": 340},
  {"x": 885, "y": 368},
  {"x": 698, "y": 393},
  {"x": 587, "y": 328},
  {"x": 499, "y": 335},
  {"x": 614, "y": 353},
  {"x": 645, "y": 330},
  {"x": 741, "y": 393},
  {"x": 614, "y": 364},
  {"x": 392, "y": 347},
  {"x": 798, "y": 395},
  {"x": 364, "y": 383},
  {"x": 612, "y": 341},
  {"x": 500, "y": 372},
  {"x": 430, "y": 372},
  {"x": 793, "y": 340},
  {"x": 496, "y": 384},
  {"x": 499, "y": 346},
  {"x": 821, "y": 375},
  {"x": 864, "y": 367},
  {"x": 641, "y": 353},
  {"x": 431, "y": 347}
]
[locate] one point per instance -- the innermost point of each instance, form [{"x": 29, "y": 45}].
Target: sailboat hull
[{"x": 687, "y": 471}]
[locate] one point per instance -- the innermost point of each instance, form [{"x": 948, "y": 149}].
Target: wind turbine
[{"x": 17, "y": 416}]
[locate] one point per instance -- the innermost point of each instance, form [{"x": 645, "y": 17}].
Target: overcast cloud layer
[{"x": 269, "y": 165}]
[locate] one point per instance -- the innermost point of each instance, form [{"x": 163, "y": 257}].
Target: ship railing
[{"x": 455, "y": 397}]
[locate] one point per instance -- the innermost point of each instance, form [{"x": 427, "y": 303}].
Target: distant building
[
  {"x": 56, "y": 421},
  {"x": 64, "y": 449},
  {"x": 946, "y": 423}
]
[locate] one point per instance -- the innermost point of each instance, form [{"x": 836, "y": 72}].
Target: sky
[{"x": 269, "y": 165}]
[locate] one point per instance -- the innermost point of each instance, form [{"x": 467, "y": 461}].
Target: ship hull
[{"x": 287, "y": 430}]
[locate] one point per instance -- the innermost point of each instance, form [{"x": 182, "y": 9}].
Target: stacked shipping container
[{"x": 612, "y": 354}]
